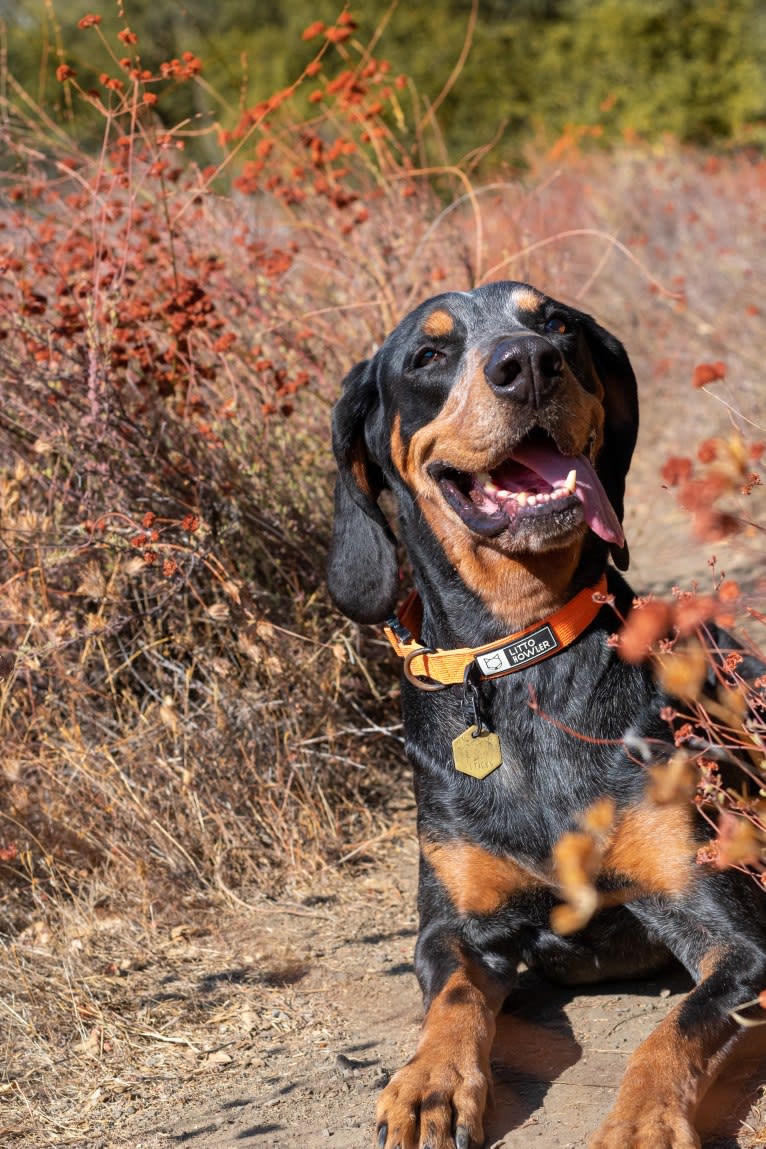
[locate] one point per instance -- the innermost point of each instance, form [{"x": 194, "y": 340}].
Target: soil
[{"x": 320, "y": 1005}]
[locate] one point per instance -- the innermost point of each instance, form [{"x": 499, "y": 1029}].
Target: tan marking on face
[
  {"x": 359, "y": 469},
  {"x": 472, "y": 432},
  {"x": 527, "y": 299},
  {"x": 477, "y": 882},
  {"x": 470, "y": 429},
  {"x": 654, "y": 848},
  {"x": 398, "y": 449},
  {"x": 438, "y": 324}
]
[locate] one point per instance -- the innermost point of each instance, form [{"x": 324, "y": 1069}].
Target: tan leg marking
[
  {"x": 658, "y": 1095},
  {"x": 664, "y": 1081},
  {"x": 439, "y": 1097}
]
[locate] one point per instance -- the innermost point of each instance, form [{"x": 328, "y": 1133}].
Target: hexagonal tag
[{"x": 477, "y": 754}]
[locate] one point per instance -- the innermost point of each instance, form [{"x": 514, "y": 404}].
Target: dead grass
[{"x": 157, "y": 992}]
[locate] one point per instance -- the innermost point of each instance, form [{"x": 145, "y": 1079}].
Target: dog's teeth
[
  {"x": 485, "y": 480},
  {"x": 522, "y": 498},
  {"x": 571, "y": 482}
]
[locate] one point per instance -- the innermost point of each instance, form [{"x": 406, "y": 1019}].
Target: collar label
[{"x": 532, "y": 647}]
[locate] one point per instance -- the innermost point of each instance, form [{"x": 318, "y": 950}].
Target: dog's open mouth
[{"x": 535, "y": 482}]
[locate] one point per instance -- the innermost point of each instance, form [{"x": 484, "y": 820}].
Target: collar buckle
[{"x": 422, "y": 683}]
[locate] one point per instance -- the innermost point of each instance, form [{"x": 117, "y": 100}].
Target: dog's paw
[
  {"x": 653, "y": 1126},
  {"x": 433, "y": 1102}
]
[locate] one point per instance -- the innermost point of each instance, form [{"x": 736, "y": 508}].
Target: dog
[{"x": 503, "y": 422}]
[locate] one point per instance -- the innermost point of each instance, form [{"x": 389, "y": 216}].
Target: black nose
[{"x": 526, "y": 368}]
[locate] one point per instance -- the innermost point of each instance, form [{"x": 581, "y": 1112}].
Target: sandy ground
[{"x": 322, "y": 1006}]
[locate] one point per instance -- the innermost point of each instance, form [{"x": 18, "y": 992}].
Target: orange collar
[{"x": 433, "y": 669}]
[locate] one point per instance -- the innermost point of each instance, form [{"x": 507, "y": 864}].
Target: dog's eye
[
  {"x": 556, "y": 325},
  {"x": 426, "y": 356}
]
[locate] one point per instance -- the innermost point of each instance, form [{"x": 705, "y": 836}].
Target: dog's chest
[{"x": 563, "y": 754}]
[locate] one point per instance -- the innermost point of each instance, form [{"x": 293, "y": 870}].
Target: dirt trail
[{"x": 336, "y": 1008}]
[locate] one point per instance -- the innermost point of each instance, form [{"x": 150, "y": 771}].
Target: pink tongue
[{"x": 554, "y": 468}]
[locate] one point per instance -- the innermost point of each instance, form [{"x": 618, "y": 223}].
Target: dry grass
[{"x": 184, "y": 719}]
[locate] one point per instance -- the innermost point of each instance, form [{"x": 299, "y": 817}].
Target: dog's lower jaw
[{"x": 497, "y": 593}]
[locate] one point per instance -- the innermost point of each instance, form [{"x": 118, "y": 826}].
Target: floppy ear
[
  {"x": 621, "y": 420},
  {"x": 362, "y": 568}
]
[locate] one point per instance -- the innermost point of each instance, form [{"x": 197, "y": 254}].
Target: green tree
[{"x": 692, "y": 68}]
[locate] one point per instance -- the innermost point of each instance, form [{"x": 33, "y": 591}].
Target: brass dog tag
[{"x": 477, "y": 754}]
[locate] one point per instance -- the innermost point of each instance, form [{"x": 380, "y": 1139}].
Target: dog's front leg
[
  {"x": 659, "y": 1093},
  {"x": 437, "y": 1100},
  {"x": 667, "y": 1075}
]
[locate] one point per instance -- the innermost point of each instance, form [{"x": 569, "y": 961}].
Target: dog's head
[{"x": 504, "y": 419}]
